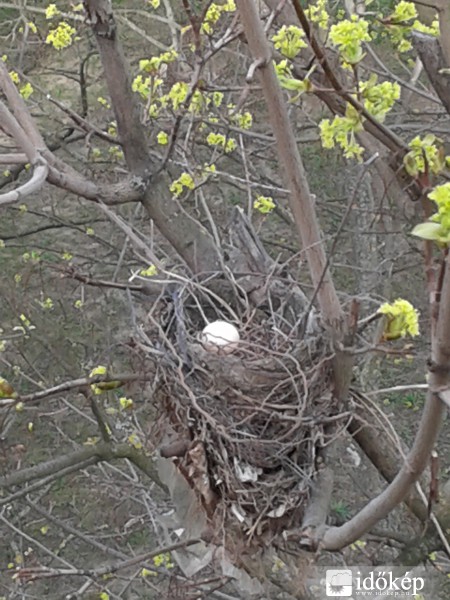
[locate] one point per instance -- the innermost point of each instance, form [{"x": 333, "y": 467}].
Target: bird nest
[{"x": 245, "y": 428}]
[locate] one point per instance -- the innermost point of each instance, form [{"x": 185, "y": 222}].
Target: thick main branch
[{"x": 300, "y": 199}]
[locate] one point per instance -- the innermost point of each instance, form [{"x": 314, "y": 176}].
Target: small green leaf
[{"x": 428, "y": 231}]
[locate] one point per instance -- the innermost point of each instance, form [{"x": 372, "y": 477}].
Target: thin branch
[
  {"x": 81, "y": 121},
  {"x": 32, "y": 573},
  {"x": 351, "y": 202},
  {"x": 73, "y": 385},
  {"x": 75, "y": 532},
  {"x": 135, "y": 239},
  {"x": 432, "y": 56},
  {"x": 399, "y": 388},
  {"x": 101, "y": 282},
  {"x": 27, "y": 136},
  {"x": 143, "y": 34}
]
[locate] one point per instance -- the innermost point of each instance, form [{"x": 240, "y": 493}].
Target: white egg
[{"x": 220, "y": 337}]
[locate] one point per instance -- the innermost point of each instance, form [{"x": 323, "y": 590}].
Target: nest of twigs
[{"x": 246, "y": 428}]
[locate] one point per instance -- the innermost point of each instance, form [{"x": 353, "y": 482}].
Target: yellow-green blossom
[
  {"x": 348, "y": 35},
  {"x": 342, "y": 131},
  {"x": 178, "y": 93},
  {"x": 47, "y": 303},
  {"x": 134, "y": 440},
  {"x": 125, "y": 403},
  {"x": 264, "y": 204},
  {"x": 379, "y": 98},
  {"x": 103, "y": 102},
  {"x": 218, "y": 139},
  {"x": 214, "y": 13},
  {"x": 51, "y": 11},
  {"x": 317, "y": 13},
  {"x": 211, "y": 169},
  {"x": 116, "y": 152},
  {"x": 61, "y": 37},
  {"x": 162, "y": 138},
  {"x": 432, "y": 29},
  {"x": 26, "y": 91},
  {"x": 151, "y": 65},
  {"x": 163, "y": 560},
  {"x": 199, "y": 102},
  {"x": 26, "y": 321},
  {"x": 184, "y": 181},
  {"x": 404, "y": 12},
  {"x": 243, "y": 119},
  {"x": 217, "y": 98},
  {"x": 150, "y": 271},
  {"x": 425, "y": 156},
  {"x": 102, "y": 386},
  {"x": 289, "y": 40},
  {"x": 401, "y": 319}
]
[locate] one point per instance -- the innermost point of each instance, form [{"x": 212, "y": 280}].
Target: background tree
[{"x": 138, "y": 246}]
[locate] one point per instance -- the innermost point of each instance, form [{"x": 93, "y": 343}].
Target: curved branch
[
  {"x": 336, "y": 538},
  {"x": 22, "y": 128},
  {"x": 36, "y": 182}
]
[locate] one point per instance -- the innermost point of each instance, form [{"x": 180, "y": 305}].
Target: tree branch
[
  {"x": 32, "y": 573},
  {"x": 118, "y": 80},
  {"x": 13, "y": 158},
  {"x": 188, "y": 237},
  {"x": 336, "y": 538},
  {"x": 296, "y": 181},
  {"x": 22, "y": 127},
  {"x": 388, "y": 138},
  {"x": 37, "y": 180},
  {"x": 101, "y": 452},
  {"x": 73, "y": 385},
  {"x": 431, "y": 54}
]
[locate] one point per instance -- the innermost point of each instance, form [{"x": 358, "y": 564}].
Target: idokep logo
[{"x": 339, "y": 583}]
